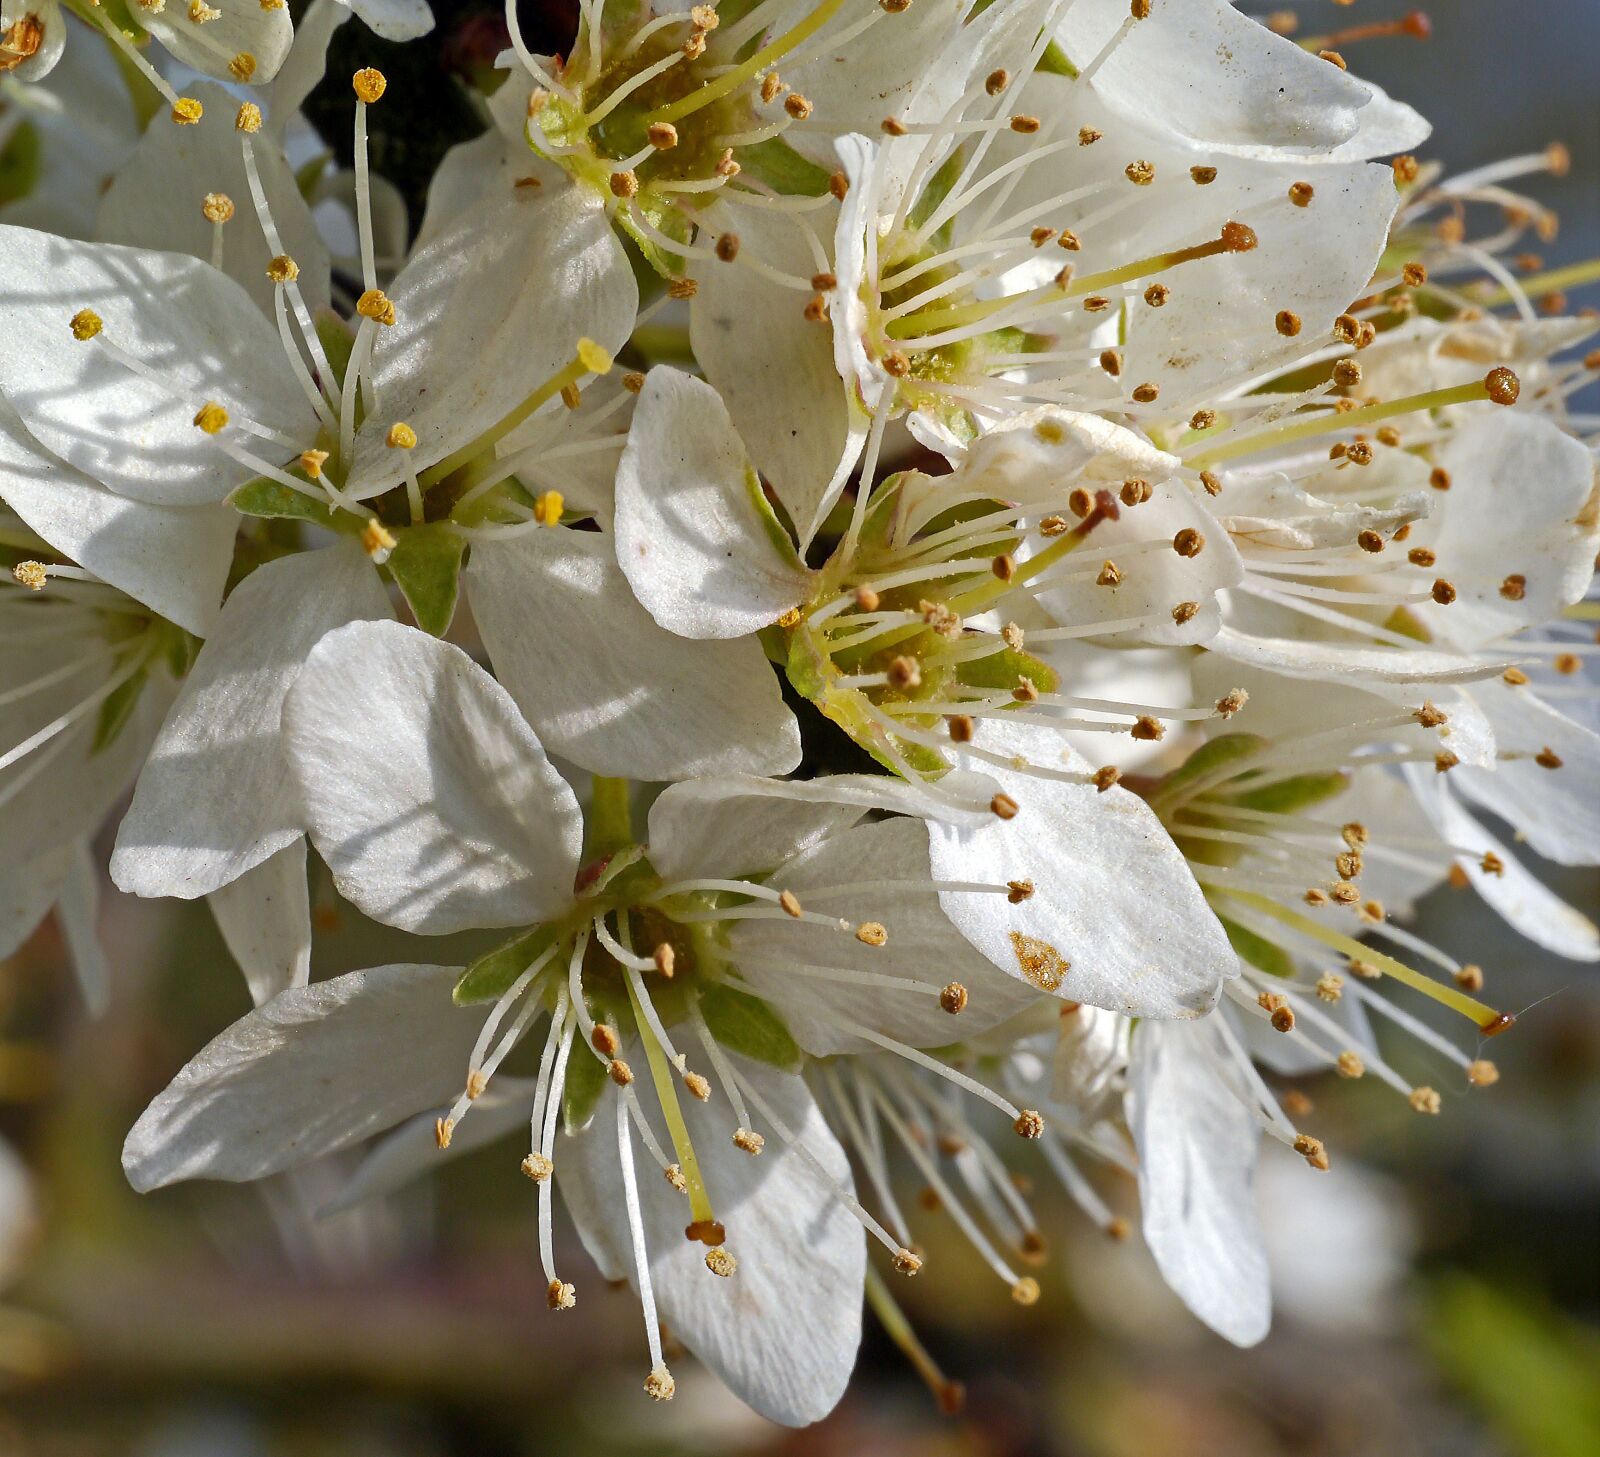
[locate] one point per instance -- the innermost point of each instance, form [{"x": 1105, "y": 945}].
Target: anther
[
  {"x": 1088, "y": 136},
  {"x": 673, "y": 1174},
  {"x": 442, "y": 1129},
  {"x": 1445, "y": 761},
  {"x": 560, "y": 1295},
  {"x": 960, "y": 728},
  {"x": 1430, "y": 716},
  {"x": 85, "y": 324},
  {"x": 748, "y": 1142},
  {"x": 374, "y": 304},
  {"x": 216, "y": 207},
  {"x": 537, "y": 1167},
  {"x": 32, "y": 575},
  {"x": 211, "y": 418},
  {"x": 1502, "y": 386},
  {"x": 1230, "y": 703},
  {"x": 720, "y": 1262},
  {"x": 1301, "y": 193},
  {"x": 186, "y": 111},
  {"x": 1110, "y": 575},
  {"x": 1026, "y": 1291},
  {"x": 872, "y": 933},
  {"x": 1147, "y": 393},
  {"x": 1106, "y": 777},
  {"x": 369, "y": 84},
  {"x": 1004, "y": 807},
  {"x": 1406, "y": 168},
  {"x": 659, "y": 1385},
  {"x": 1492, "y": 864},
  {"x": 624, "y": 184},
  {"x": 1157, "y": 294},
  {"x": 1333, "y": 58},
  {"x": 1188, "y": 542},
  {"x": 1482, "y": 1073},
  {"x": 547, "y": 508},
  {"x": 1287, "y": 323},
  {"x": 662, "y": 135},
  {"x": 477, "y": 1084},
  {"x": 1004, "y": 566},
  {"x": 790, "y": 903},
  {"x": 1424, "y": 1100},
  {"x": 904, "y": 674},
  {"x": 1111, "y": 362},
  {"x": 1182, "y": 613},
  {"x": 1028, "y": 1124},
  {"x": 1212, "y": 482},
  {"x": 1024, "y": 125},
  {"x": 401, "y": 436},
  {"x": 1140, "y": 173},
  {"x": 604, "y": 1040},
  {"x": 1547, "y": 758},
  {"x": 377, "y": 540},
  {"x": 699, "y": 1085},
  {"x": 953, "y": 998},
  {"x": 1514, "y": 588},
  {"x": 619, "y": 1072},
  {"x": 1443, "y": 592},
  {"x": 1312, "y": 1150},
  {"x": 997, "y": 81},
  {"x": 896, "y": 364},
  {"x": 1515, "y": 677},
  {"x": 682, "y": 288},
  {"x": 906, "y": 1262},
  {"x": 242, "y": 67},
  {"x": 248, "y": 118},
  {"x": 201, "y": 13},
  {"x": 1203, "y": 176}
]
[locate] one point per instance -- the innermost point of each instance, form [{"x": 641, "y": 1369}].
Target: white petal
[
  {"x": 782, "y": 1331},
  {"x": 216, "y": 796},
  {"x": 27, "y": 891},
  {"x": 312, "y": 1071},
  {"x": 1036, "y": 458},
  {"x": 412, "y": 1149},
  {"x": 1200, "y": 72},
  {"x": 241, "y": 29},
  {"x": 695, "y": 537},
  {"x": 1352, "y": 663},
  {"x": 486, "y": 314},
  {"x": 1115, "y": 920},
  {"x": 306, "y": 63},
  {"x": 394, "y": 20},
  {"x": 428, "y": 795},
  {"x": 1550, "y": 542},
  {"x": 156, "y": 198},
  {"x": 174, "y": 559},
  {"x": 79, "y": 915},
  {"x": 1556, "y": 811},
  {"x": 923, "y": 947},
  {"x": 1526, "y": 903},
  {"x": 1197, "y": 1146},
  {"x": 265, "y": 919},
  {"x": 177, "y": 315},
  {"x": 772, "y": 365},
  {"x": 606, "y": 687}
]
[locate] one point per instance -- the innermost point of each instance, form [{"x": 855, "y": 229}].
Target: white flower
[{"x": 233, "y": 42}]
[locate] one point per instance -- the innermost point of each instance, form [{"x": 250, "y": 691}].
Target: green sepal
[
  {"x": 1300, "y": 791},
  {"x": 426, "y": 565},
  {"x": 19, "y": 163},
  {"x": 585, "y": 1081},
  {"x": 1222, "y": 750},
  {"x": 783, "y": 169},
  {"x": 310, "y": 173},
  {"x": 664, "y": 219},
  {"x": 117, "y": 709},
  {"x": 937, "y": 189},
  {"x": 1405, "y": 622},
  {"x": 1054, "y": 62},
  {"x": 749, "y": 1027},
  {"x": 273, "y": 499},
  {"x": 337, "y": 341},
  {"x": 1261, "y": 953},
  {"x": 488, "y": 978},
  {"x": 1003, "y": 669}
]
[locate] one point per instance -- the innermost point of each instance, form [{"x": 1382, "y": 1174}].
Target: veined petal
[
  {"x": 174, "y": 559},
  {"x": 1115, "y": 920},
  {"x": 425, "y": 791},
  {"x": 783, "y": 1329},
  {"x": 608, "y": 688},
  {"x": 695, "y": 537},
  {"x": 262, "y": 33},
  {"x": 181, "y": 317},
  {"x": 265, "y": 919},
  {"x": 216, "y": 796},
  {"x": 758, "y": 348},
  {"x": 155, "y": 201},
  {"x": 27, "y": 891},
  {"x": 923, "y": 947},
  {"x": 487, "y": 313},
  {"x": 314, "y": 1070},
  {"x": 1197, "y": 1145}
]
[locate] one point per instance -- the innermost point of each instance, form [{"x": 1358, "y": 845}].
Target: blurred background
[{"x": 1437, "y": 1292}]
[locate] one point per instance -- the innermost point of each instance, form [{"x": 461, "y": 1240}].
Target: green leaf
[
  {"x": 1261, "y": 953},
  {"x": 586, "y": 1080},
  {"x": 783, "y": 169},
  {"x": 117, "y": 709},
  {"x": 269, "y": 498},
  {"x": 426, "y": 563},
  {"x": 19, "y": 163},
  {"x": 749, "y": 1027},
  {"x": 487, "y": 978},
  {"x": 1285, "y": 796}
]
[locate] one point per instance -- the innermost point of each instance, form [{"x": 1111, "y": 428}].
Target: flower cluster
[{"x": 941, "y": 576}]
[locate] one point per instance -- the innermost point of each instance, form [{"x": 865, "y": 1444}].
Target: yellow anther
[
  {"x": 720, "y": 1262},
  {"x": 1312, "y": 1150},
  {"x": 377, "y": 540},
  {"x": 1424, "y": 1100},
  {"x": 560, "y": 1295},
  {"x": 547, "y": 508},
  {"x": 659, "y": 1385},
  {"x": 242, "y": 67},
  {"x": 312, "y": 461},
  {"x": 283, "y": 269},
  {"x": 247, "y": 118},
  {"x": 537, "y": 1167},
  {"x": 872, "y": 933},
  {"x": 211, "y": 417},
  {"x": 1028, "y": 1124},
  {"x": 748, "y": 1141},
  {"x": 401, "y": 437},
  {"x": 32, "y": 575},
  {"x": 86, "y": 324},
  {"x": 442, "y": 1129},
  {"x": 369, "y": 84},
  {"x": 186, "y": 111},
  {"x": 201, "y": 13},
  {"x": 216, "y": 207},
  {"x": 907, "y": 1262},
  {"x": 1026, "y": 1291},
  {"x": 375, "y": 304}
]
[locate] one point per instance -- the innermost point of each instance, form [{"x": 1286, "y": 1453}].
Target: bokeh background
[{"x": 1438, "y": 1292}]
